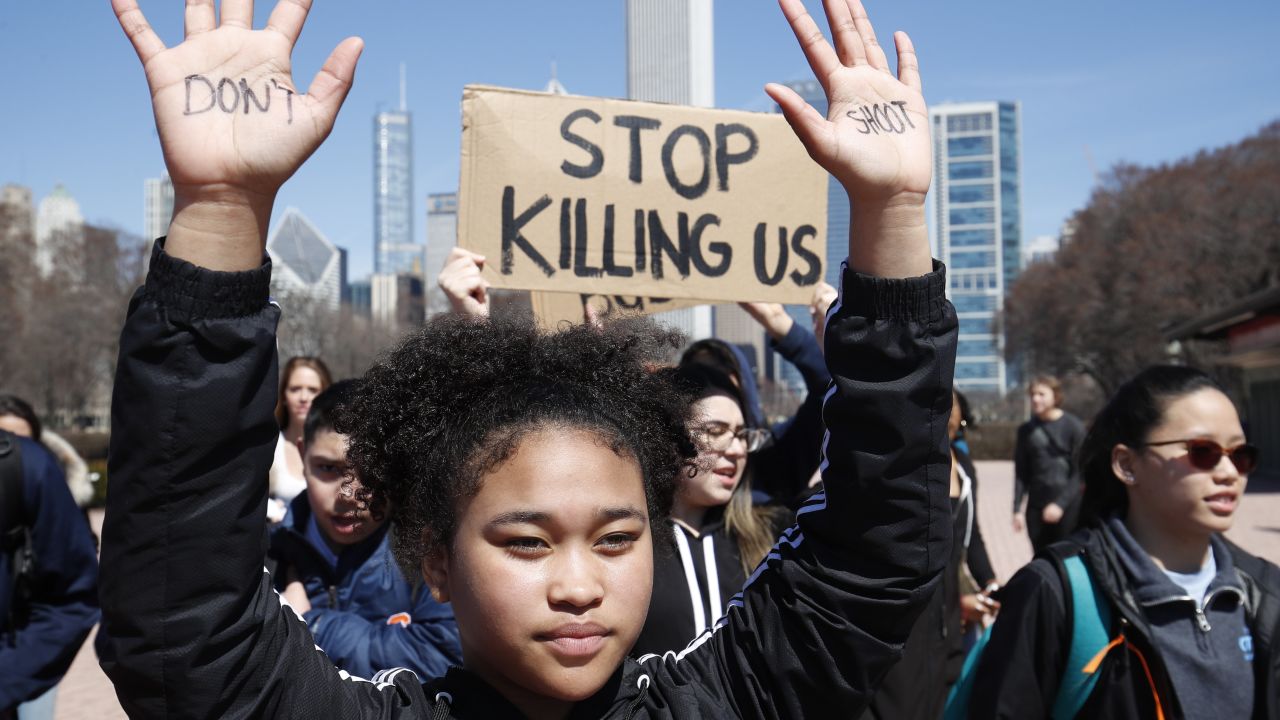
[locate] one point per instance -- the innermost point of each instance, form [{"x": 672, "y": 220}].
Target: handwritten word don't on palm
[
  {"x": 232, "y": 96},
  {"x": 889, "y": 118}
]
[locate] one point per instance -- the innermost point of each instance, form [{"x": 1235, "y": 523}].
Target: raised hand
[
  {"x": 463, "y": 285},
  {"x": 233, "y": 125},
  {"x": 875, "y": 138}
]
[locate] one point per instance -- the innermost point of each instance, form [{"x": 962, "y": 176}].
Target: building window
[
  {"x": 969, "y": 238},
  {"x": 982, "y": 192},
  {"x": 975, "y": 326},
  {"x": 974, "y": 303},
  {"x": 976, "y": 348},
  {"x": 977, "y": 370},
  {"x": 973, "y": 259},
  {"x": 975, "y": 122},
  {"x": 973, "y": 215},
  {"x": 970, "y": 170},
  {"x": 972, "y": 145}
]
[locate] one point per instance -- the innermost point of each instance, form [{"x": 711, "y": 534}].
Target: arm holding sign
[{"x": 463, "y": 285}]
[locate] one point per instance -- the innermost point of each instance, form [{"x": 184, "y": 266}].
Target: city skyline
[{"x": 1082, "y": 112}]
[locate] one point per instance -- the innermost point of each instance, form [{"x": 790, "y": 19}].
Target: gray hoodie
[{"x": 1207, "y": 649}]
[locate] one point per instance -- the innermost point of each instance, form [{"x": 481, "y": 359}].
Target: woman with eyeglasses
[
  {"x": 720, "y": 534},
  {"x": 1192, "y": 620}
]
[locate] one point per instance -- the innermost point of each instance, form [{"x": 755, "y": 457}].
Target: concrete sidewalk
[{"x": 86, "y": 694}]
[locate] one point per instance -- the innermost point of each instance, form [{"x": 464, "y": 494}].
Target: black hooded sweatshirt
[{"x": 197, "y": 630}]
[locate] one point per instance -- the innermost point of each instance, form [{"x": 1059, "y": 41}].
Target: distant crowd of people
[{"x": 497, "y": 520}]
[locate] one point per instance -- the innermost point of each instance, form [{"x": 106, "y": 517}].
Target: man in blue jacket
[
  {"x": 335, "y": 568},
  {"x": 42, "y": 625}
]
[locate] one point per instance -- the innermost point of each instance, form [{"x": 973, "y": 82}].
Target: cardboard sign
[
  {"x": 611, "y": 197},
  {"x": 552, "y": 309}
]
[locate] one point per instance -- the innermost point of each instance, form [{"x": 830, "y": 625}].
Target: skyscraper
[
  {"x": 976, "y": 226},
  {"x": 442, "y": 236},
  {"x": 670, "y": 52},
  {"x": 59, "y": 225},
  {"x": 394, "y": 249},
  {"x": 670, "y": 59},
  {"x": 304, "y": 262},
  {"x": 157, "y": 207}
]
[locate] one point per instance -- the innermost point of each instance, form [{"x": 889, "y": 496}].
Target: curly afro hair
[{"x": 453, "y": 401}]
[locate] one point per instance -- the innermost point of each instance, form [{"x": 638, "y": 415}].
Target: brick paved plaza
[{"x": 85, "y": 694}]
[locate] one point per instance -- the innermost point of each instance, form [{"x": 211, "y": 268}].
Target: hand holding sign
[
  {"x": 460, "y": 279},
  {"x": 232, "y": 125},
  {"x": 875, "y": 138}
]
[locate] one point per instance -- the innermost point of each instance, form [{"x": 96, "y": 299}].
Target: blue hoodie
[
  {"x": 364, "y": 614},
  {"x": 64, "y": 608}
]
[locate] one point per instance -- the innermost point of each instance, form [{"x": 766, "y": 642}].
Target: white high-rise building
[
  {"x": 304, "y": 262},
  {"x": 157, "y": 207},
  {"x": 976, "y": 227},
  {"x": 671, "y": 59},
  {"x": 59, "y": 224},
  {"x": 670, "y": 52}
]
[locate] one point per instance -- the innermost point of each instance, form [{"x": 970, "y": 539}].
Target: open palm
[
  {"x": 226, "y": 108},
  {"x": 875, "y": 138}
]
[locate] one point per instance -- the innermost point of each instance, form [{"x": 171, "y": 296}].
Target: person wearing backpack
[
  {"x": 1148, "y": 611},
  {"x": 48, "y": 578}
]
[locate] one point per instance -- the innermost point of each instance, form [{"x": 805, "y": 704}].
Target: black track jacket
[{"x": 198, "y": 632}]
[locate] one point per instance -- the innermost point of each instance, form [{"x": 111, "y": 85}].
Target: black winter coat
[{"x": 198, "y": 631}]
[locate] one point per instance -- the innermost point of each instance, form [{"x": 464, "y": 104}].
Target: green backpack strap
[
  {"x": 1090, "y": 635},
  {"x": 958, "y": 699},
  {"x": 1090, "y": 623}
]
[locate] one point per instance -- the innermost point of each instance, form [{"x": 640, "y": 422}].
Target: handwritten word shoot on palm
[{"x": 619, "y": 198}]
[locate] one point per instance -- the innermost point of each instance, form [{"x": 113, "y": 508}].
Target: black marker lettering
[
  {"x": 814, "y": 273},
  {"x": 902, "y": 108},
  {"x": 212, "y": 100},
  {"x": 597, "y": 155},
  {"x": 611, "y": 268},
  {"x": 636, "y": 123},
  {"x": 722, "y": 249},
  {"x": 871, "y": 119},
  {"x": 566, "y": 234},
  {"x": 223, "y": 84},
  {"x": 511, "y": 237},
  {"x": 762, "y": 273},
  {"x": 698, "y": 189},
  {"x": 724, "y": 158},
  {"x": 660, "y": 244},
  {"x": 640, "y": 243},
  {"x": 853, "y": 115},
  {"x": 250, "y": 96},
  {"x": 580, "y": 266}
]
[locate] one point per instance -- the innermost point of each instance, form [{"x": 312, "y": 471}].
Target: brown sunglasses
[{"x": 1205, "y": 454}]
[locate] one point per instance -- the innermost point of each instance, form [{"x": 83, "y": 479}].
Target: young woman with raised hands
[{"x": 529, "y": 474}]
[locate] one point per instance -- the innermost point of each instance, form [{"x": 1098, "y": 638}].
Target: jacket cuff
[
  {"x": 189, "y": 291},
  {"x": 919, "y": 299}
]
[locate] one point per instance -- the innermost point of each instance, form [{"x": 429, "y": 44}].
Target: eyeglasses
[
  {"x": 719, "y": 436},
  {"x": 1205, "y": 454}
]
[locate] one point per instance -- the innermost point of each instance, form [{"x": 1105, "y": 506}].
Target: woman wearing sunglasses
[
  {"x": 719, "y": 533},
  {"x": 1192, "y": 619}
]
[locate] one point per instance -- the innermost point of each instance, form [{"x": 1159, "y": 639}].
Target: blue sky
[{"x": 1121, "y": 80}]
